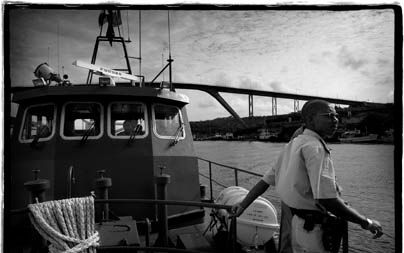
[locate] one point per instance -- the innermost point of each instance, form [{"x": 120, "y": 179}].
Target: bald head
[
  {"x": 320, "y": 117},
  {"x": 312, "y": 107}
]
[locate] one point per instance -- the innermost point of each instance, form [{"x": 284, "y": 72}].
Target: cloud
[
  {"x": 276, "y": 86},
  {"x": 248, "y": 83},
  {"x": 348, "y": 59},
  {"x": 207, "y": 104},
  {"x": 386, "y": 81},
  {"x": 222, "y": 79},
  {"x": 320, "y": 58}
]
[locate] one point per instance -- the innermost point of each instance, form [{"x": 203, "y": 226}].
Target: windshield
[
  {"x": 38, "y": 122},
  {"x": 127, "y": 119},
  {"x": 168, "y": 122},
  {"x": 82, "y": 119}
]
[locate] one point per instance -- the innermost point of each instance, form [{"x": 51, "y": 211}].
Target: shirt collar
[{"x": 317, "y": 136}]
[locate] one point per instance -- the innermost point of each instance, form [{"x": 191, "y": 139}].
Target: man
[
  {"x": 305, "y": 181},
  {"x": 130, "y": 127}
]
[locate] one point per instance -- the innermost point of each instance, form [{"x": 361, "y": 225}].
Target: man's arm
[
  {"x": 254, "y": 193},
  {"x": 338, "y": 207}
]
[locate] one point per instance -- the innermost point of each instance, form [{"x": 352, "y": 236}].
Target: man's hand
[
  {"x": 374, "y": 227},
  {"x": 237, "y": 210}
]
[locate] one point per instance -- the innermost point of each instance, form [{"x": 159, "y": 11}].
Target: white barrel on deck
[{"x": 258, "y": 223}]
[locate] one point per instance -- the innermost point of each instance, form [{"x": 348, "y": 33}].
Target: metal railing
[{"x": 236, "y": 174}]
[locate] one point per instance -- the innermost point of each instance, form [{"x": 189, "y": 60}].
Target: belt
[{"x": 311, "y": 217}]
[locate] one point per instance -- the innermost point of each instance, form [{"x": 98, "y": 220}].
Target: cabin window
[
  {"x": 82, "y": 119},
  {"x": 168, "y": 123},
  {"x": 126, "y": 120},
  {"x": 39, "y": 123}
]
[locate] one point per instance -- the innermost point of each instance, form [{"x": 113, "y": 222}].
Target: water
[{"x": 365, "y": 172}]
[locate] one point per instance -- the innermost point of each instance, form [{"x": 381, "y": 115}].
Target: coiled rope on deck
[{"x": 68, "y": 224}]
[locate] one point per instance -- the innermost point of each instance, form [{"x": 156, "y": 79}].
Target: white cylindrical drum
[{"x": 258, "y": 223}]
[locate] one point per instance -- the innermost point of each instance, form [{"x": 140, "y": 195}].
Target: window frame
[
  {"x": 62, "y": 122},
  {"x": 146, "y": 124},
  {"x": 155, "y": 126},
  {"x": 24, "y": 119}
]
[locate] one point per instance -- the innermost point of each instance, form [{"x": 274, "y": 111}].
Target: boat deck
[{"x": 193, "y": 238}]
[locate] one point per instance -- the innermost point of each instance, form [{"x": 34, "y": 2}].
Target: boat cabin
[{"x": 77, "y": 134}]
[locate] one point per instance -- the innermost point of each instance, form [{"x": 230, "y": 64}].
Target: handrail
[
  {"x": 165, "y": 202},
  {"x": 236, "y": 170},
  {"x": 230, "y": 167}
]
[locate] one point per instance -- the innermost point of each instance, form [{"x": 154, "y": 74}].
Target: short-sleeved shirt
[{"x": 304, "y": 172}]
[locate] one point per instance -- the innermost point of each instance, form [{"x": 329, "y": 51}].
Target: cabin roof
[{"x": 96, "y": 90}]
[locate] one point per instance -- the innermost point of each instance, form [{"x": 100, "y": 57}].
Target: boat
[
  {"x": 123, "y": 152},
  {"x": 123, "y": 145},
  {"x": 355, "y": 136}
]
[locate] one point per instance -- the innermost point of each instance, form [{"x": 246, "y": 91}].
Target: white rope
[{"x": 68, "y": 224}]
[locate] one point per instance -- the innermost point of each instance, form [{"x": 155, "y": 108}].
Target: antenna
[
  {"x": 162, "y": 63},
  {"x": 127, "y": 22},
  {"x": 170, "y": 60},
  {"x": 140, "y": 43},
  {"x": 58, "y": 50},
  {"x": 169, "y": 34}
]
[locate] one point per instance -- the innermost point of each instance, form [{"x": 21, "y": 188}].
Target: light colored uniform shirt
[{"x": 304, "y": 172}]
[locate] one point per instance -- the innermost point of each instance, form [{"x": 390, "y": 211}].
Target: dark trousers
[{"x": 285, "y": 237}]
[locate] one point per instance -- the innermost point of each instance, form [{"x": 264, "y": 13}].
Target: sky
[{"x": 339, "y": 54}]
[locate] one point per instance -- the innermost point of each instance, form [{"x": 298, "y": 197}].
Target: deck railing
[{"x": 235, "y": 170}]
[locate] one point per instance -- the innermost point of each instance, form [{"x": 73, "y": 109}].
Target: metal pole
[
  {"x": 210, "y": 181},
  {"x": 345, "y": 246},
  {"x": 161, "y": 182},
  {"x": 233, "y": 236},
  {"x": 236, "y": 176}
]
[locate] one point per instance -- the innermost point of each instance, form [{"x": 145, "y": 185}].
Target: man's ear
[{"x": 309, "y": 120}]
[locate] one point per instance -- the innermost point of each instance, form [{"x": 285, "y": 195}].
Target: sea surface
[{"x": 364, "y": 171}]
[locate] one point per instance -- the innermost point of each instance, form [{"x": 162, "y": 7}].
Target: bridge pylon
[
  {"x": 296, "y": 105},
  {"x": 274, "y": 106},
  {"x": 250, "y": 106}
]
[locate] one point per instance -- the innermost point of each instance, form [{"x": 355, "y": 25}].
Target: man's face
[{"x": 325, "y": 121}]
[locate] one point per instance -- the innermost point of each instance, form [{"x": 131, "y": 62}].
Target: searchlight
[{"x": 45, "y": 75}]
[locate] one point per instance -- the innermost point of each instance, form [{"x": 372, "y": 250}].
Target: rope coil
[{"x": 68, "y": 224}]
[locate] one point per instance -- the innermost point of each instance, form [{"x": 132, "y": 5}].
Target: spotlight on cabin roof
[{"x": 45, "y": 75}]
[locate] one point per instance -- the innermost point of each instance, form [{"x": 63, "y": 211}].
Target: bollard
[
  {"x": 202, "y": 189},
  {"x": 37, "y": 188},
  {"x": 102, "y": 184},
  {"x": 161, "y": 187}
]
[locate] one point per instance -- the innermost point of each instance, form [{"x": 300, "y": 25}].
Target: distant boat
[
  {"x": 388, "y": 136},
  {"x": 355, "y": 136},
  {"x": 266, "y": 134}
]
